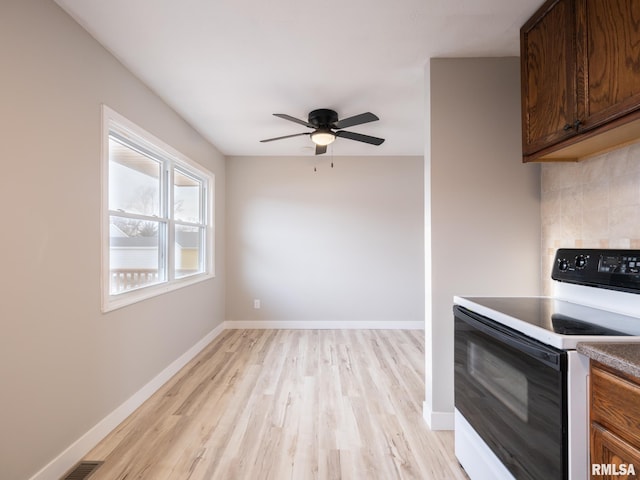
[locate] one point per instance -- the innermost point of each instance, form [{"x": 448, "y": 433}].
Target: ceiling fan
[{"x": 326, "y": 127}]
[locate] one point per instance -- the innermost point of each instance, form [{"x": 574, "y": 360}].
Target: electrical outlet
[{"x": 256, "y": 304}]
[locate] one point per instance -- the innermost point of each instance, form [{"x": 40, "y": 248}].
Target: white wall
[
  {"x": 483, "y": 202},
  {"x": 63, "y": 364},
  {"x": 336, "y": 245}
]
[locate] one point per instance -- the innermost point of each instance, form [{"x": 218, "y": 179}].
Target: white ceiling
[{"x": 227, "y": 65}]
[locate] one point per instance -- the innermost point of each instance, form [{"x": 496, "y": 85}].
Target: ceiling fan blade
[
  {"x": 294, "y": 119},
  {"x": 286, "y": 136},
  {"x": 356, "y": 120},
  {"x": 360, "y": 137},
  {"x": 320, "y": 149}
]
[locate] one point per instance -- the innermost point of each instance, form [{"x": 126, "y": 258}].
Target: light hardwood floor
[{"x": 287, "y": 404}]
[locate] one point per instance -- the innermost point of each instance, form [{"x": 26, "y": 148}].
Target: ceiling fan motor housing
[
  {"x": 327, "y": 127},
  {"x": 323, "y": 117}
]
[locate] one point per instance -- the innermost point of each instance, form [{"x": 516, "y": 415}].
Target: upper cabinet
[
  {"x": 548, "y": 61},
  {"x": 580, "y": 66},
  {"x": 608, "y": 36}
]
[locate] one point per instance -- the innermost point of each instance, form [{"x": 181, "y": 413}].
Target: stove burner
[{"x": 570, "y": 326}]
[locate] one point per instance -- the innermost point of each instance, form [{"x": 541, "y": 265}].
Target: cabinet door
[
  {"x": 615, "y": 403},
  {"x": 548, "y": 56},
  {"x": 612, "y": 453},
  {"x": 608, "y": 59}
]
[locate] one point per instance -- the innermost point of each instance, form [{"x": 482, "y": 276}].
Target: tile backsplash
[{"x": 594, "y": 203}]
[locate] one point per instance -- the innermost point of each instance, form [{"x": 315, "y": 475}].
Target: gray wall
[
  {"x": 341, "y": 244},
  {"x": 483, "y": 204},
  {"x": 63, "y": 365}
]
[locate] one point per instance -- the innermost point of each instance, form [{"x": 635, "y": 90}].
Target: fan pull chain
[{"x": 331, "y": 155}]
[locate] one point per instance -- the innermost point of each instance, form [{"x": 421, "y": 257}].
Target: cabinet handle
[{"x": 575, "y": 126}]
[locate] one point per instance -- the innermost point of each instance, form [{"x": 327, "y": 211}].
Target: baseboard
[
  {"x": 322, "y": 325},
  {"x": 437, "y": 420},
  {"x": 67, "y": 459}
]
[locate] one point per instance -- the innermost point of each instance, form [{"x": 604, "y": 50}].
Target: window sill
[{"x": 115, "y": 302}]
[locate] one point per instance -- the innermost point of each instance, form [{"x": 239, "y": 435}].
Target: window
[{"x": 157, "y": 220}]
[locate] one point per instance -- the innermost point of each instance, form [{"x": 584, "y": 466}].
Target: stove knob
[
  {"x": 563, "y": 265},
  {"x": 581, "y": 261}
]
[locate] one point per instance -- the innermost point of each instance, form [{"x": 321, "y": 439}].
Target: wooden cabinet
[
  {"x": 580, "y": 66},
  {"x": 609, "y": 59},
  {"x": 609, "y": 449},
  {"x": 549, "y": 95},
  {"x": 615, "y": 420}
]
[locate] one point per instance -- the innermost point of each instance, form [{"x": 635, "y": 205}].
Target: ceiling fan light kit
[
  {"x": 326, "y": 127},
  {"x": 323, "y": 137}
]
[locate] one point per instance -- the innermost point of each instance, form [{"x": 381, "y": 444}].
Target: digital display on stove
[{"x": 619, "y": 264}]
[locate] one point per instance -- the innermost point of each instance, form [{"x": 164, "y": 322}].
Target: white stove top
[{"x": 552, "y": 321}]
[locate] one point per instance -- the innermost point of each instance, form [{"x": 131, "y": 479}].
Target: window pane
[
  {"x": 187, "y": 192},
  {"x": 134, "y": 254},
  {"x": 188, "y": 251},
  {"x": 134, "y": 180}
]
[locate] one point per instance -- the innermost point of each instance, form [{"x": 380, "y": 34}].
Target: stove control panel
[{"x": 612, "y": 269}]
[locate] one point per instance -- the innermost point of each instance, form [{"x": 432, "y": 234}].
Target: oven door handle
[{"x": 546, "y": 355}]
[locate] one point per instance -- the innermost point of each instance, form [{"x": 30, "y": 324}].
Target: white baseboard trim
[
  {"x": 437, "y": 420},
  {"x": 74, "y": 453},
  {"x": 322, "y": 325}
]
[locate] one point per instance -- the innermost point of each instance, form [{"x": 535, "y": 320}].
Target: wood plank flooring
[{"x": 287, "y": 404}]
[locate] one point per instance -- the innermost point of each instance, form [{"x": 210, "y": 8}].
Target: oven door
[{"x": 512, "y": 390}]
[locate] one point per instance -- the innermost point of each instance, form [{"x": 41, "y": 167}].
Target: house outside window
[{"x": 157, "y": 216}]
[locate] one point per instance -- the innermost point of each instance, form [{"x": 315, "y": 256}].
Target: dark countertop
[{"x": 621, "y": 356}]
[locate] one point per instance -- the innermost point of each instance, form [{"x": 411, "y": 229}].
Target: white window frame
[{"x": 171, "y": 160}]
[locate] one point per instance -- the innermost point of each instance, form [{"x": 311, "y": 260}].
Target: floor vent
[{"x": 82, "y": 471}]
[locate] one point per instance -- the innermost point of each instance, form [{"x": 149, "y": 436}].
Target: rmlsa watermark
[{"x": 601, "y": 469}]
